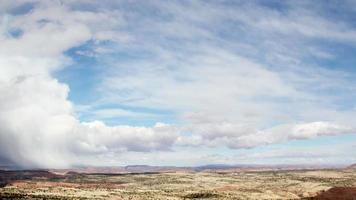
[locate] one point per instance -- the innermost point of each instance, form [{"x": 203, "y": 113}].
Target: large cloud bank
[{"x": 38, "y": 126}]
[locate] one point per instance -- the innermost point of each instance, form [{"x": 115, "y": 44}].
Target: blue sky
[{"x": 127, "y": 82}]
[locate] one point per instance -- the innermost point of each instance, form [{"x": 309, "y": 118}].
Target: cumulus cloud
[
  {"x": 38, "y": 125},
  {"x": 97, "y": 137},
  {"x": 239, "y": 136}
]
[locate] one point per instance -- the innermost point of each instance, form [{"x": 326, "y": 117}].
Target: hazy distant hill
[{"x": 353, "y": 166}]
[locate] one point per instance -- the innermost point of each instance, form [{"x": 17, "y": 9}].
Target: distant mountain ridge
[{"x": 203, "y": 168}]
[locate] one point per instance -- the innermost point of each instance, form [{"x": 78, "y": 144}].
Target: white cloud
[
  {"x": 126, "y": 138},
  {"x": 287, "y": 132},
  {"x": 238, "y": 136},
  {"x": 38, "y": 127}
]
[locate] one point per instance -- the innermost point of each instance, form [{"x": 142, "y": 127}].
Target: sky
[{"x": 183, "y": 83}]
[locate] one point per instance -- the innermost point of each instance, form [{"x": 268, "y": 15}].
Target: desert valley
[{"x": 210, "y": 182}]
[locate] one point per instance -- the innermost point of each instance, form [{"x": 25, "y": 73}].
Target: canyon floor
[{"x": 285, "y": 184}]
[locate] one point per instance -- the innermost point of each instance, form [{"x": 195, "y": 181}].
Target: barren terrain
[{"x": 285, "y": 184}]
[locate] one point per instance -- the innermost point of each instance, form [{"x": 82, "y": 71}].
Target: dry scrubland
[{"x": 187, "y": 185}]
